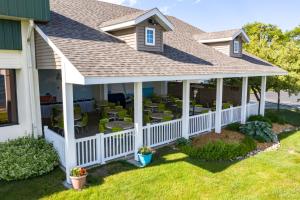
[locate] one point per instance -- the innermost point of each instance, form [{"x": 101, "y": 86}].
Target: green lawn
[
  {"x": 269, "y": 175},
  {"x": 290, "y": 116}
]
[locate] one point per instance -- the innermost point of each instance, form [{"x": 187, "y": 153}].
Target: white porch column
[
  {"x": 244, "y": 100},
  {"x": 138, "y": 116},
  {"x": 263, "y": 95},
  {"x": 105, "y": 92},
  {"x": 185, "y": 108},
  {"x": 219, "y": 96},
  {"x": 68, "y": 114}
]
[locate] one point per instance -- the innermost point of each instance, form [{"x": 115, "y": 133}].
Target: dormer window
[
  {"x": 236, "y": 46},
  {"x": 150, "y": 36}
]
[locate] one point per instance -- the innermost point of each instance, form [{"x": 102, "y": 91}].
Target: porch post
[
  {"x": 219, "y": 95},
  {"x": 263, "y": 95},
  {"x": 185, "y": 108},
  {"x": 68, "y": 116},
  {"x": 138, "y": 116},
  {"x": 105, "y": 92},
  {"x": 244, "y": 100}
]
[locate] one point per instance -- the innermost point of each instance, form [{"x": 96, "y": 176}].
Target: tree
[{"x": 268, "y": 42}]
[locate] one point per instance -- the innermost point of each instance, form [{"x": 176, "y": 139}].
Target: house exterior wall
[
  {"x": 141, "y": 43},
  {"x": 240, "y": 54},
  {"x": 127, "y": 35},
  {"x": 26, "y": 88},
  {"x": 46, "y": 58},
  {"x": 227, "y": 47},
  {"x": 10, "y": 35},
  {"x": 38, "y": 10},
  {"x": 223, "y": 47},
  {"x": 135, "y": 37}
]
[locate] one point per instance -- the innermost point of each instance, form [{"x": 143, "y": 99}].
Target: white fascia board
[
  {"x": 119, "y": 26},
  {"x": 111, "y": 80},
  {"x": 72, "y": 75},
  {"x": 163, "y": 20},
  {"x": 217, "y": 40},
  {"x": 245, "y": 36}
]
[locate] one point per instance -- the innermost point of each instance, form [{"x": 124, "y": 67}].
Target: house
[{"x": 80, "y": 52}]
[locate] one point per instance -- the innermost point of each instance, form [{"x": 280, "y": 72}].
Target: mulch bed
[{"x": 233, "y": 136}]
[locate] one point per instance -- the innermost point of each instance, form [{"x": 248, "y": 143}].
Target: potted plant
[
  {"x": 145, "y": 155},
  {"x": 78, "y": 177}
]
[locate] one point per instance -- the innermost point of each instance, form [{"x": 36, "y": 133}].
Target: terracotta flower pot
[{"x": 78, "y": 182}]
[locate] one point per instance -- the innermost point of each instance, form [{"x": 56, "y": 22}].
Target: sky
[{"x": 216, "y": 15}]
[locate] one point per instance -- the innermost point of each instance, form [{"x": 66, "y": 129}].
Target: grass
[
  {"x": 173, "y": 175},
  {"x": 290, "y": 116}
]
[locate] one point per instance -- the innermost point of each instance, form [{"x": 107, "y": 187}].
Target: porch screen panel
[{"x": 8, "y": 99}]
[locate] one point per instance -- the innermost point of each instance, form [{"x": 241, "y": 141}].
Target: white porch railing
[
  {"x": 118, "y": 144},
  {"x": 252, "y": 109},
  {"x": 200, "y": 123},
  {"x": 58, "y": 143},
  {"x": 162, "y": 133},
  {"x": 104, "y": 147}
]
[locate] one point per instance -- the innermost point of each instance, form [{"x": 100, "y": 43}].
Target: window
[
  {"x": 8, "y": 100},
  {"x": 150, "y": 36},
  {"x": 236, "y": 46}
]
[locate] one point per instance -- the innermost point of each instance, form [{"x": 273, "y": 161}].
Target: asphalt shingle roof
[
  {"x": 217, "y": 35},
  {"x": 75, "y": 29}
]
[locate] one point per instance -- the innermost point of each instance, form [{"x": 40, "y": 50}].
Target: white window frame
[
  {"x": 236, "y": 46},
  {"x": 146, "y": 36}
]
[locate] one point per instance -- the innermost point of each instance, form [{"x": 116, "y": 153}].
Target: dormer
[
  {"x": 142, "y": 30},
  {"x": 229, "y": 42}
]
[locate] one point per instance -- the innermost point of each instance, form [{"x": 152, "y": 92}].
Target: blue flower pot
[{"x": 145, "y": 159}]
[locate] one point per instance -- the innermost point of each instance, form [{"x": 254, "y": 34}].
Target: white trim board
[
  {"x": 241, "y": 31},
  {"x": 164, "y": 22},
  {"x": 111, "y": 80}
]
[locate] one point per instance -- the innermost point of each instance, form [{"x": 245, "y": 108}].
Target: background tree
[{"x": 270, "y": 43}]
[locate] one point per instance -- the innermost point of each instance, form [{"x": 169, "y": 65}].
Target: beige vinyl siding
[
  {"x": 127, "y": 35},
  {"x": 46, "y": 58},
  {"x": 141, "y": 44},
  {"x": 223, "y": 47}
]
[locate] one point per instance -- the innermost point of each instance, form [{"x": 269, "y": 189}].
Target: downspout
[{"x": 30, "y": 78}]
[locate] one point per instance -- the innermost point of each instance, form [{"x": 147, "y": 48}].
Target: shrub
[
  {"x": 182, "y": 141},
  {"x": 234, "y": 127},
  {"x": 145, "y": 150},
  {"x": 26, "y": 157},
  {"x": 219, "y": 150},
  {"x": 275, "y": 118},
  {"x": 260, "y": 131},
  {"x": 260, "y": 118}
]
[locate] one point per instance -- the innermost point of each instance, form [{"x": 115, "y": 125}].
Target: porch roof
[{"x": 74, "y": 31}]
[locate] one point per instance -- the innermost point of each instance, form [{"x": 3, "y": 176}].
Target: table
[
  {"x": 152, "y": 106},
  {"x": 199, "y": 109},
  {"x": 121, "y": 124},
  {"x": 160, "y": 116}
]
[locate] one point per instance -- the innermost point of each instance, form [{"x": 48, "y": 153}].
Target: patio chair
[
  {"x": 111, "y": 105},
  {"x": 81, "y": 125},
  {"x": 161, "y": 107},
  {"x": 167, "y": 118},
  {"x": 122, "y": 114},
  {"x": 128, "y": 119},
  {"x": 116, "y": 129},
  {"x": 168, "y": 112},
  {"x": 77, "y": 110},
  {"x": 119, "y": 107},
  {"x": 102, "y": 125}
]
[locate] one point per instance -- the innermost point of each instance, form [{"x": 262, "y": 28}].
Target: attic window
[
  {"x": 150, "y": 36},
  {"x": 236, "y": 46}
]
